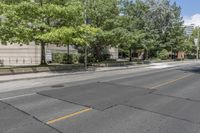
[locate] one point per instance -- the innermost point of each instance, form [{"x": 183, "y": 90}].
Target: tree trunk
[
  {"x": 172, "y": 53},
  {"x": 97, "y": 52},
  {"x": 130, "y": 55},
  {"x": 147, "y": 54},
  {"x": 68, "y": 61},
  {"x": 43, "y": 54},
  {"x": 41, "y": 2}
]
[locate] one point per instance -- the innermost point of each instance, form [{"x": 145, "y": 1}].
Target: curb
[
  {"x": 82, "y": 71},
  {"x": 25, "y": 70}
]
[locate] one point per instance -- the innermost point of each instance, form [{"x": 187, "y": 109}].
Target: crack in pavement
[
  {"x": 187, "y": 99},
  {"x": 162, "y": 114},
  {"x": 55, "y": 129},
  {"x": 65, "y": 101}
]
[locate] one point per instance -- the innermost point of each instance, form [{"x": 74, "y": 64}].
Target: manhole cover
[{"x": 57, "y": 86}]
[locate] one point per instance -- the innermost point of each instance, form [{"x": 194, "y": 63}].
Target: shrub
[
  {"x": 58, "y": 57},
  {"x": 63, "y": 58},
  {"x": 74, "y": 58},
  {"x": 81, "y": 58},
  {"x": 163, "y": 55},
  {"x": 191, "y": 56}
]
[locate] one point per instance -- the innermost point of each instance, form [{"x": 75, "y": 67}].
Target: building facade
[
  {"x": 28, "y": 55},
  {"x": 20, "y": 55}
]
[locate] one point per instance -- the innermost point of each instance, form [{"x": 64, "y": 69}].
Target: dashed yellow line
[
  {"x": 68, "y": 116},
  {"x": 170, "y": 82}
]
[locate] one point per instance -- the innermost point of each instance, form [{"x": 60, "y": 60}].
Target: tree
[
  {"x": 61, "y": 36},
  {"x": 150, "y": 25},
  {"x": 133, "y": 16},
  {"x": 165, "y": 22},
  {"x": 86, "y": 36},
  {"x": 83, "y": 35},
  {"x": 99, "y": 12},
  {"x": 28, "y": 20},
  {"x": 190, "y": 47}
]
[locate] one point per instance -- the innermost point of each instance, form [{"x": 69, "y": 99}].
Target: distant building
[{"x": 189, "y": 29}]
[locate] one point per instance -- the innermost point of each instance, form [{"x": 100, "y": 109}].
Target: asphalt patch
[
  {"x": 187, "y": 88},
  {"x": 178, "y": 108},
  {"x": 44, "y": 108},
  {"x": 151, "y": 80},
  {"x": 124, "y": 119},
  {"x": 99, "y": 96},
  {"x": 15, "y": 121}
]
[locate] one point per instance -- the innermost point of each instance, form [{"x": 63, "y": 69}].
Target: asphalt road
[{"x": 147, "y": 101}]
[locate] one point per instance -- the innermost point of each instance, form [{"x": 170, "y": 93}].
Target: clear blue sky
[{"x": 189, "y": 7}]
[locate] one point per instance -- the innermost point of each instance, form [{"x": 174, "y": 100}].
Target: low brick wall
[{"x": 20, "y": 70}]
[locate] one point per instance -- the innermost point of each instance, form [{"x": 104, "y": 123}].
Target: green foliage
[
  {"x": 81, "y": 35},
  {"x": 100, "y": 11},
  {"x": 33, "y": 20},
  {"x": 163, "y": 55},
  {"x": 28, "y": 21},
  {"x": 61, "y": 36},
  {"x": 58, "y": 58},
  {"x": 63, "y": 58},
  {"x": 149, "y": 25},
  {"x": 86, "y": 35}
]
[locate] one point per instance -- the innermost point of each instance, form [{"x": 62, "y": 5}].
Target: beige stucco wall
[
  {"x": 16, "y": 55},
  {"x": 61, "y": 49},
  {"x": 114, "y": 52},
  {"x": 26, "y": 55}
]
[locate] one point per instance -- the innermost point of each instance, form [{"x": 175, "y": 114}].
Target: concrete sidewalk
[{"x": 5, "y": 78}]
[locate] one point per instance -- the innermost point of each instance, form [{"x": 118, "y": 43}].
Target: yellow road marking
[
  {"x": 169, "y": 82},
  {"x": 68, "y": 116}
]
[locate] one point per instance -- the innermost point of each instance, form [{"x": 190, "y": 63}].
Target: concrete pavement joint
[
  {"x": 64, "y": 100},
  {"x": 109, "y": 107},
  {"x": 188, "y": 99},
  {"x": 166, "y": 115},
  {"x": 31, "y": 116}
]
